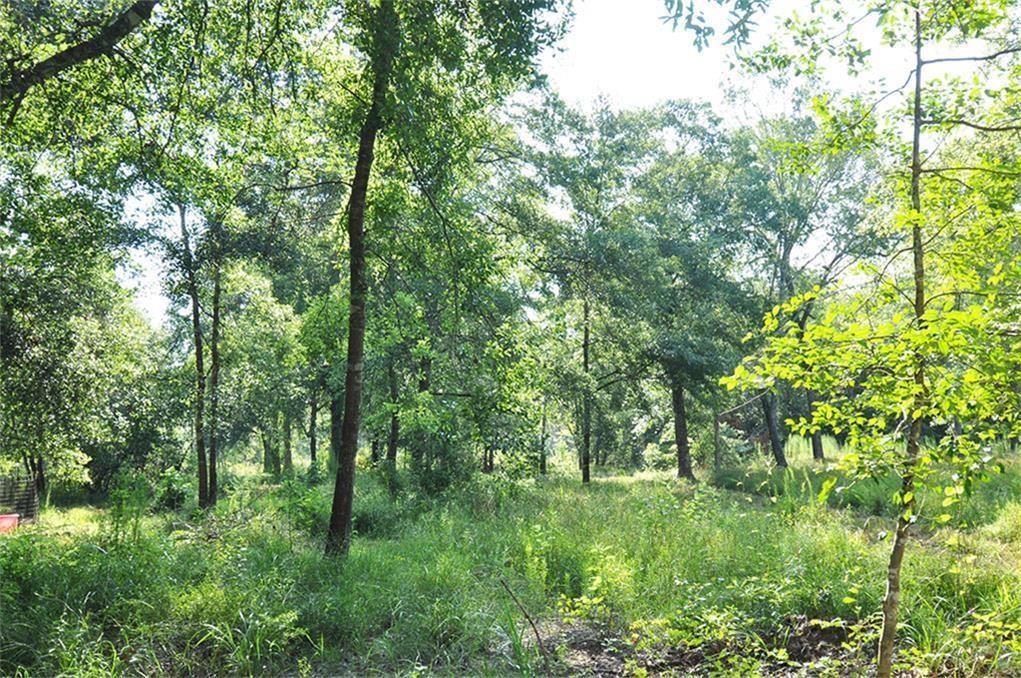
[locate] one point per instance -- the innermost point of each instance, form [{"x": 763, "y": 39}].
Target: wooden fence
[{"x": 18, "y": 495}]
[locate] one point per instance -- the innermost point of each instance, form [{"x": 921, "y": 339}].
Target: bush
[
  {"x": 307, "y": 507},
  {"x": 129, "y": 501},
  {"x": 314, "y": 474},
  {"x": 171, "y": 490}
]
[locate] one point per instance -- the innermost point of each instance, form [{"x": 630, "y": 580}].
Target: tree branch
[
  {"x": 22, "y": 80},
  {"x": 987, "y": 57},
  {"x": 991, "y": 170},
  {"x": 973, "y": 125}
]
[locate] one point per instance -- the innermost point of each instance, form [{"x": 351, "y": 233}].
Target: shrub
[{"x": 171, "y": 490}]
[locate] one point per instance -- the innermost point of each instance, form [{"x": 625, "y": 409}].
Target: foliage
[{"x": 701, "y": 572}]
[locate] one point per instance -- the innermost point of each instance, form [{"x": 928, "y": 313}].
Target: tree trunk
[
  {"x": 395, "y": 424},
  {"x": 336, "y": 425},
  {"x": 376, "y": 445},
  {"x": 275, "y": 449},
  {"x": 7, "y": 349},
  {"x": 288, "y": 453},
  {"x": 716, "y": 441},
  {"x": 214, "y": 385},
  {"x": 39, "y": 476},
  {"x": 200, "y": 372},
  {"x": 420, "y": 441},
  {"x": 681, "y": 430},
  {"x": 543, "y": 441},
  {"x": 313, "y": 415},
  {"x": 384, "y": 46},
  {"x": 773, "y": 430},
  {"x": 891, "y": 601},
  {"x": 267, "y": 452},
  {"x": 6, "y": 329},
  {"x": 488, "y": 458},
  {"x": 586, "y": 413},
  {"x": 817, "y": 451},
  {"x": 393, "y": 438}
]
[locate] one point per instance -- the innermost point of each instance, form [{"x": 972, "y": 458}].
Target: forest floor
[{"x": 744, "y": 574}]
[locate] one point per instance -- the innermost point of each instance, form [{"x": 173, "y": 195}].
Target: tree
[
  {"x": 492, "y": 47},
  {"x": 17, "y": 79},
  {"x": 58, "y": 243},
  {"x": 384, "y": 43},
  {"x": 804, "y": 206},
  {"x": 687, "y": 246},
  {"x": 589, "y": 165},
  {"x": 923, "y": 346}
]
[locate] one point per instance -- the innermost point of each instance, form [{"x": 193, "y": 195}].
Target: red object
[{"x": 9, "y": 521}]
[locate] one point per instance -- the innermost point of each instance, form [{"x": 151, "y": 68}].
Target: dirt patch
[
  {"x": 581, "y": 650},
  {"x": 810, "y": 641},
  {"x": 584, "y": 651}
]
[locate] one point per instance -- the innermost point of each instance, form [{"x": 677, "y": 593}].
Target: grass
[
  {"x": 732, "y": 580},
  {"x": 804, "y": 478}
]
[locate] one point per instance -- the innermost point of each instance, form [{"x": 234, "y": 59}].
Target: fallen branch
[{"x": 531, "y": 622}]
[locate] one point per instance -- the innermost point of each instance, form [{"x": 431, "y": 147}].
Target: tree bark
[
  {"x": 338, "y": 537},
  {"x": 542, "y": 441},
  {"x": 267, "y": 452},
  {"x": 276, "y": 452},
  {"x": 336, "y": 426},
  {"x": 817, "y": 450},
  {"x": 214, "y": 384},
  {"x": 288, "y": 452},
  {"x": 681, "y": 430},
  {"x": 200, "y": 372},
  {"x": 487, "y": 458},
  {"x": 39, "y": 475},
  {"x": 313, "y": 415},
  {"x": 716, "y": 441},
  {"x": 21, "y": 80},
  {"x": 586, "y": 407},
  {"x": 419, "y": 443},
  {"x": 891, "y": 601},
  {"x": 773, "y": 430},
  {"x": 393, "y": 438}
]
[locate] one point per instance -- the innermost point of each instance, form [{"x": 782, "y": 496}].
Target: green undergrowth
[
  {"x": 676, "y": 573},
  {"x": 804, "y": 479}
]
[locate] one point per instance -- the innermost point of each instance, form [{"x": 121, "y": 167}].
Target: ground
[{"x": 635, "y": 575}]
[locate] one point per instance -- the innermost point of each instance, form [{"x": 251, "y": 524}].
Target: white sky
[
  {"x": 146, "y": 269},
  {"x": 621, "y": 49}
]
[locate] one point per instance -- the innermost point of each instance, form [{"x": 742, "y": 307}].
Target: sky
[
  {"x": 623, "y": 51},
  {"x": 145, "y": 270}
]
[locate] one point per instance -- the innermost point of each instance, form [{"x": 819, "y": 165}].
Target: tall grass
[
  {"x": 247, "y": 591},
  {"x": 804, "y": 478}
]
